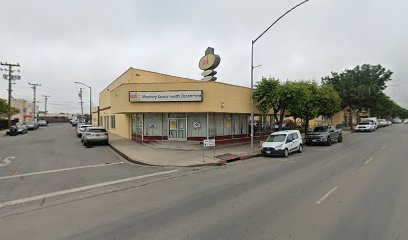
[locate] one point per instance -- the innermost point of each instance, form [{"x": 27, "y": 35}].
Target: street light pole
[
  {"x": 90, "y": 100},
  {"x": 252, "y": 68}
]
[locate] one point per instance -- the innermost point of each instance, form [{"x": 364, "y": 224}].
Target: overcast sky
[{"x": 59, "y": 42}]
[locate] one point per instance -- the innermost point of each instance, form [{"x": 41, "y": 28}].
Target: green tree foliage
[
  {"x": 306, "y": 104},
  {"x": 312, "y": 101},
  {"x": 359, "y": 87},
  {"x": 4, "y": 108},
  {"x": 272, "y": 95},
  {"x": 329, "y": 101},
  {"x": 387, "y": 108},
  {"x": 266, "y": 96},
  {"x": 304, "y": 100}
]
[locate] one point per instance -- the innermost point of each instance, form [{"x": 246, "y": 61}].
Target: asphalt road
[
  {"x": 58, "y": 161},
  {"x": 352, "y": 190}
]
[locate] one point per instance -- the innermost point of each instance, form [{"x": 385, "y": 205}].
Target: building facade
[
  {"x": 25, "y": 109},
  {"x": 145, "y": 106}
]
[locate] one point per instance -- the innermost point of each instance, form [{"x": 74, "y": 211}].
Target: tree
[
  {"x": 266, "y": 96},
  {"x": 329, "y": 100},
  {"x": 270, "y": 94},
  {"x": 306, "y": 103},
  {"x": 4, "y": 108},
  {"x": 359, "y": 87}
]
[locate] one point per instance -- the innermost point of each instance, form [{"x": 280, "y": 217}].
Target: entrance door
[{"x": 178, "y": 129}]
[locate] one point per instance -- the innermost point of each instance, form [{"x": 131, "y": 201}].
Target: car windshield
[
  {"x": 320, "y": 129},
  {"x": 364, "y": 123},
  {"x": 276, "y": 138}
]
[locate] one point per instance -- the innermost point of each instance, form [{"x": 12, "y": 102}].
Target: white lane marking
[
  {"x": 326, "y": 195},
  {"x": 6, "y": 161},
  {"x": 368, "y": 160},
  {"x": 371, "y": 157},
  {"x": 285, "y": 160},
  {"x": 59, "y": 170},
  {"x": 84, "y": 188}
]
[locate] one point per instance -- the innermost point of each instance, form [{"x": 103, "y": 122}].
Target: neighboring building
[
  {"x": 146, "y": 106},
  {"x": 25, "y": 109},
  {"x": 343, "y": 118},
  {"x": 56, "y": 117}
]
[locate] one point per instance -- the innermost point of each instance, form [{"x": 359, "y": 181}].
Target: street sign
[{"x": 209, "y": 143}]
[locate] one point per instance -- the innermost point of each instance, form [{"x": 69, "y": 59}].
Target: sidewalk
[{"x": 191, "y": 155}]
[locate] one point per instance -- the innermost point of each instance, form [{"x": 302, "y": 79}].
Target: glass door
[{"x": 178, "y": 129}]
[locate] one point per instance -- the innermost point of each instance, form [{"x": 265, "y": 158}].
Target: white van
[
  {"x": 374, "y": 120},
  {"x": 282, "y": 143}
]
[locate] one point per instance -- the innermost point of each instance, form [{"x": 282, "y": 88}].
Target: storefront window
[
  {"x": 113, "y": 121},
  {"x": 227, "y": 124},
  {"x": 235, "y": 124},
  {"x": 153, "y": 124},
  {"x": 219, "y": 124},
  {"x": 197, "y": 125},
  {"x": 137, "y": 124},
  {"x": 244, "y": 124}
]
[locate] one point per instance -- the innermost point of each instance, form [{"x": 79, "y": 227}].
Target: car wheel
[
  {"x": 340, "y": 139},
  {"x": 328, "y": 142},
  {"x": 84, "y": 143},
  {"x": 286, "y": 153},
  {"x": 300, "y": 150}
]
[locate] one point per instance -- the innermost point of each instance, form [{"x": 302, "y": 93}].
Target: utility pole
[
  {"x": 34, "y": 87},
  {"x": 90, "y": 100},
  {"x": 82, "y": 106},
  {"x": 45, "y": 109},
  {"x": 10, "y": 77}
]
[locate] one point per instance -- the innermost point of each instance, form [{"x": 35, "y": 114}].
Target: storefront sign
[{"x": 167, "y": 96}]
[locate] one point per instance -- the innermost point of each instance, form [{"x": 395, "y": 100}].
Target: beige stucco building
[
  {"x": 25, "y": 109},
  {"x": 148, "y": 106}
]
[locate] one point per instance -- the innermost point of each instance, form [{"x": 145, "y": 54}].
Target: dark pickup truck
[{"x": 325, "y": 135}]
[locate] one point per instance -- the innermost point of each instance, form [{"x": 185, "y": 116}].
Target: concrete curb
[{"x": 156, "y": 165}]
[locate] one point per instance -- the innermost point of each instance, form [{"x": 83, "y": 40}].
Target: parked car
[
  {"x": 374, "y": 120},
  {"x": 396, "y": 120},
  {"x": 383, "y": 122},
  {"x": 366, "y": 126},
  {"x": 325, "y": 135},
  {"x": 31, "y": 125},
  {"x": 94, "y": 135},
  {"x": 405, "y": 121},
  {"x": 17, "y": 129},
  {"x": 74, "y": 122},
  {"x": 81, "y": 128},
  {"x": 42, "y": 123},
  {"x": 282, "y": 143}
]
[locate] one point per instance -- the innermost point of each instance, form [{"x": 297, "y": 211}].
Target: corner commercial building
[{"x": 146, "y": 106}]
